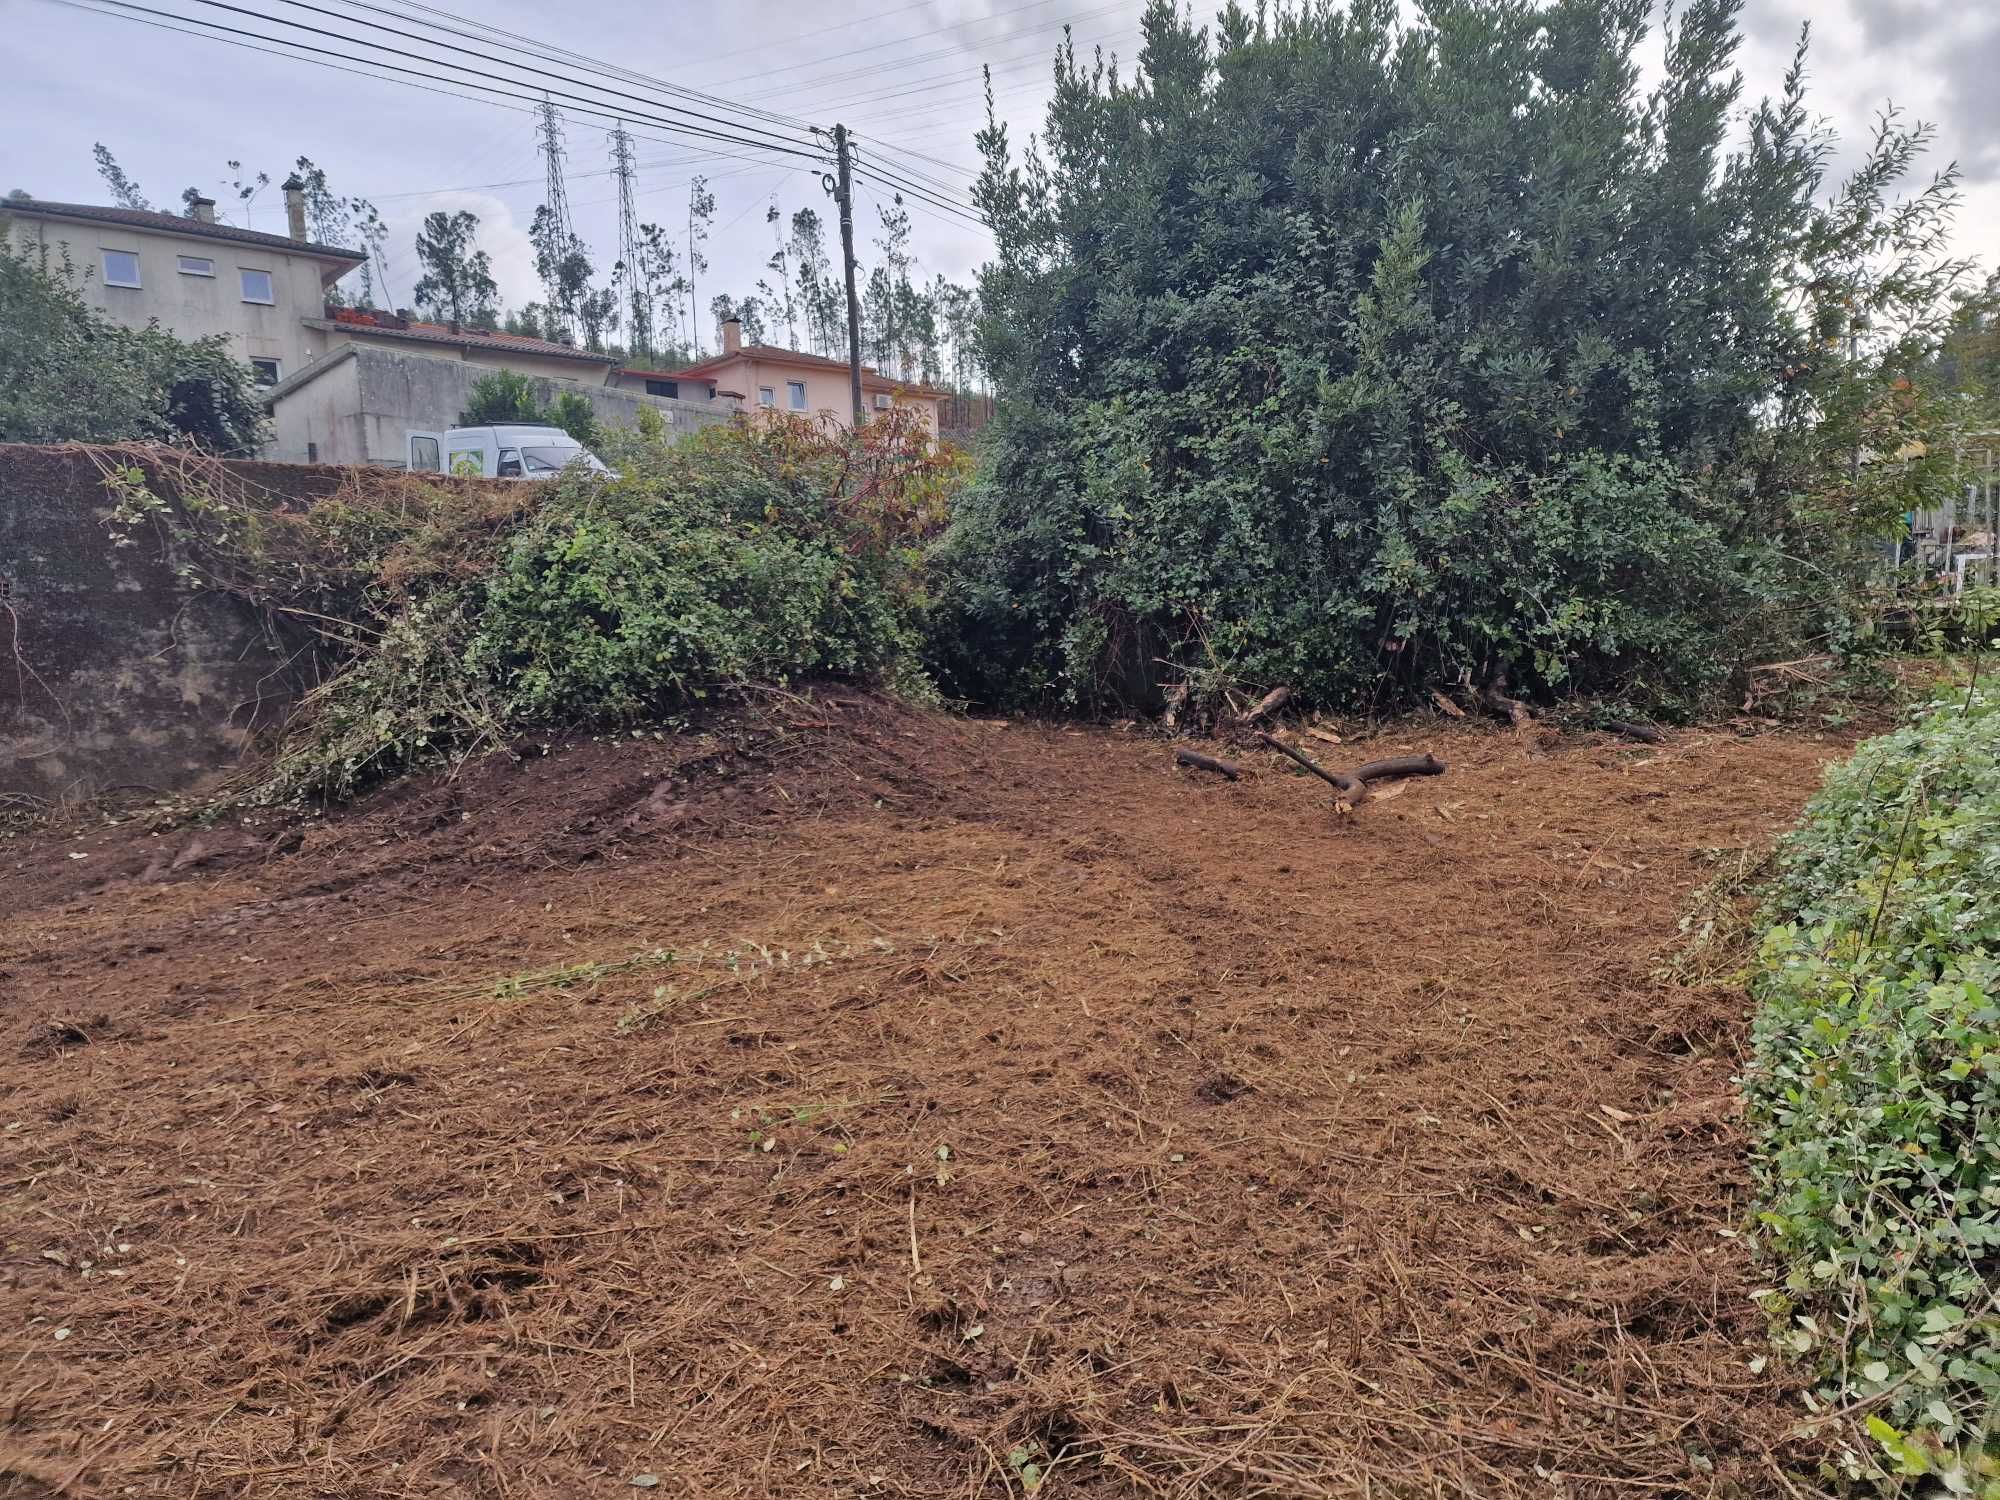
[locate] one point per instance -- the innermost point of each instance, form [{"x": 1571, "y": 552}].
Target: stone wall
[{"x": 114, "y": 672}]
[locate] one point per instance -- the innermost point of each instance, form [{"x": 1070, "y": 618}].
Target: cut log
[
  {"x": 1269, "y": 704},
  {"x": 1400, "y": 765},
  {"x": 1208, "y": 763},
  {"x": 1355, "y": 792},
  {"x": 1645, "y": 732}
]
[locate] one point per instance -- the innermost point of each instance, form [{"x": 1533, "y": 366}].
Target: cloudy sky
[{"x": 176, "y": 109}]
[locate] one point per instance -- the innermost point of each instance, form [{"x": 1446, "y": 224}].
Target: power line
[
  {"x": 892, "y": 42},
  {"x": 549, "y": 52},
  {"x": 975, "y": 53},
  {"x": 224, "y": 5}
]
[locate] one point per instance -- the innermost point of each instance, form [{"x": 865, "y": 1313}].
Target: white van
[{"x": 499, "y": 452}]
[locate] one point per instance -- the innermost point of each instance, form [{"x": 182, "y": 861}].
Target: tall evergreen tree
[
  {"x": 1368, "y": 354},
  {"x": 457, "y": 285}
]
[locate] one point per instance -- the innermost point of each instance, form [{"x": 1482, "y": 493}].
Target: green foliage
[
  {"x": 502, "y": 396},
  {"x": 1369, "y": 356},
  {"x": 451, "y": 619},
  {"x": 67, "y": 374},
  {"x": 1875, "y": 1090},
  {"x": 573, "y": 413},
  {"x": 506, "y": 396},
  {"x": 457, "y": 286}
]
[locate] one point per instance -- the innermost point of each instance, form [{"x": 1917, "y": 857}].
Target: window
[
  {"x": 671, "y": 389},
  {"x": 795, "y": 390},
  {"x": 267, "y": 371},
  {"x": 424, "y": 454},
  {"x": 121, "y": 268},
  {"x": 510, "y": 463},
  {"x": 766, "y": 396},
  {"x": 882, "y": 401},
  {"x": 256, "y": 286},
  {"x": 196, "y": 265}
]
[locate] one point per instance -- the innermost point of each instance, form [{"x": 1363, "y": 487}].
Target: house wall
[
  {"x": 193, "y": 307},
  {"x": 363, "y": 409},
  {"x": 827, "y": 391}
]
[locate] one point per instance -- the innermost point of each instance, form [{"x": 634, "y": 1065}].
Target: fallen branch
[
  {"x": 1208, "y": 763},
  {"x": 1269, "y": 704},
  {"x": 1644, "y": 732},
  {"x": 1400, "y": 765},
  {"x": 1449, "y": 708},
  {"x": 1356, "y": 792}
]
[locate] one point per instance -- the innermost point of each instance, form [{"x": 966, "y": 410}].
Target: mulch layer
[{"x": 847, "y": 1100}]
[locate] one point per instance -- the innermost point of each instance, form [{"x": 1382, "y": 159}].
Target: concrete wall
[
  {"x": 124, "y": 676},
  {"x": 362, "y": 409},
  {"x": 193, "y": 307},
  {"x": 526, "y": 362}
]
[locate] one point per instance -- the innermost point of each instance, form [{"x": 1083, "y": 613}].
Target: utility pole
[{"x": 842, "y": 188}]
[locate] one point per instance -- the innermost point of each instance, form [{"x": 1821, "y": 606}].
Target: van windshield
[{"x": 552, "y": 460}]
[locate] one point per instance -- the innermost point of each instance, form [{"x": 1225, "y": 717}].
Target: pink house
[{"x": 765, "y": 377}]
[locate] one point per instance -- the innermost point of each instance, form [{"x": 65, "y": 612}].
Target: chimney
[
  {"x": 201, "y": 210},
  {"x": 295, "y": 206},
  {"x": 732, "y": 335}
]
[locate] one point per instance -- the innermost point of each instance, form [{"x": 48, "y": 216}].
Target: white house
[{"x": 193, "y": 276}]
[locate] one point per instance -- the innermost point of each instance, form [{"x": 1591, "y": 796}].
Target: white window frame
[
  {"x": 767, "y": 397},
  {"x": 883, "y": 401},
  {"x": 795, "y": 394},
  {"x": 106, "y": 252},
  {"x": 195, "y": 265},
  {"x": 277, "y": 369},
  {"x": 270, "y": 281}
]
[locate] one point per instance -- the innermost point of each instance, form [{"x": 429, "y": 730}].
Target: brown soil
[{"x": 1010, "y": 1097}]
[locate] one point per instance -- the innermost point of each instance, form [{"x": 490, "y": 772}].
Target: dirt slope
[{"x": 1010, "y": 1098}]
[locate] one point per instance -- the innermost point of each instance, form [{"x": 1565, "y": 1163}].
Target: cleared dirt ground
[{"x": 1010, "y": 1098}]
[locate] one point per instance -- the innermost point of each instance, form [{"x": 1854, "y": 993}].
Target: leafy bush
[
  {"x": 68, "y": 374},
  {"x": 1366, "y": 353},
  {"x": 1875, "y": 1091},
  {"x": 500, "y": 397}
]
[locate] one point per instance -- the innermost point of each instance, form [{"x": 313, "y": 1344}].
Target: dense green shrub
[
  {"x": 1875, "y": 1090},
  {"x": 1365, "y": 353}
]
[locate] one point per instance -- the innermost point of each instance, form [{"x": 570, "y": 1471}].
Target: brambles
[
  {"x": 1875, "y": 1092},
  {"x": 447, "y": 618}
]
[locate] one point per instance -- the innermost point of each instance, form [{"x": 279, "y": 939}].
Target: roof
[
  {"x": 465, "y": 338},
  {"x": 146, "y": 218},
  {"x": 871, "y": 379}
]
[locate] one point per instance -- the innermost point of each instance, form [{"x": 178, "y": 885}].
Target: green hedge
[{"x": 1875, "y": 1095}]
